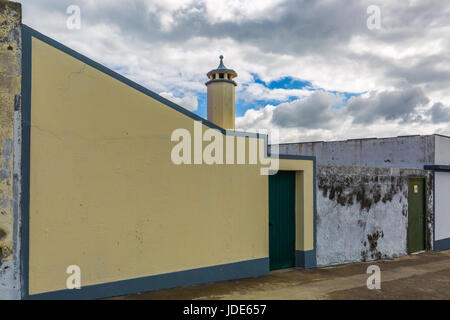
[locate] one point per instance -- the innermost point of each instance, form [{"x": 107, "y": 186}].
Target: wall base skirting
[
  {"x": 443, "y": 244},
  {"x": 230, "y": 271},
  {"x": 305, "y": 259}
]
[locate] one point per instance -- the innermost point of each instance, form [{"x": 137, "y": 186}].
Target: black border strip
[{"x": 93, "y": 291}]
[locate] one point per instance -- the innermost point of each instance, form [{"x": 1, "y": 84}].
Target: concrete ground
[{"x": 419, "y": 276}]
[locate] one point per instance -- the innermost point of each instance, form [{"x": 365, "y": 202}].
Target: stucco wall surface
[
  {"x": 442, "y": 224},
  {"x": 442, "y": 156},
  {"x": 105, "y": 195},
  {"x": 411, "y": 152},
  {"x": 363, "y": 213},
  {"x": 10, "y": 103}
]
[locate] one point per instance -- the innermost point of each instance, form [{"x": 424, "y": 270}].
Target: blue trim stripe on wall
[
  {"x": 443, "y": 168},
  {"x": 442, "y": 244},
  {"x": 230, "y": 271},
  {"x": 250, "y": 268},
  {"x": 25, "y": 161},
  {"x": 305, "y": 259}
]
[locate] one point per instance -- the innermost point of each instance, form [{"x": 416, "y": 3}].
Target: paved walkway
[{"x": 420, "y": 276}]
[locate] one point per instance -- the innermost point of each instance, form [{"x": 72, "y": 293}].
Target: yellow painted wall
[{"x": 105, "y": 195}]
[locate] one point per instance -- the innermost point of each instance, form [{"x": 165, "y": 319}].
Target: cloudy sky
[{"x": 316, "y": 70}]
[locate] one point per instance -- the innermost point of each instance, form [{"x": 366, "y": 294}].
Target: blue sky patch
[{"x": 287, "y": 83}]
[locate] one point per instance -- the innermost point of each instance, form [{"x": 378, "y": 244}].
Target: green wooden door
[
  {"x": 282, "y": 220},
  {"x": 416, "y": 214}
]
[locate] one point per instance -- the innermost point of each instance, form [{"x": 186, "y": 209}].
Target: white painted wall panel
[
  {"x": 442, "y": 203},
  {"x": 411, "y": 152},
  {"x": 442, "y": 152}
]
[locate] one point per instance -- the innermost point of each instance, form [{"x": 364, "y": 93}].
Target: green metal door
[
  {"x": 282, "y": 220},
  {"x": 416, "y": 214}
]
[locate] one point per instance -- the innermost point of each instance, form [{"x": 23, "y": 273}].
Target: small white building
[{"x": 380, "y": 198}]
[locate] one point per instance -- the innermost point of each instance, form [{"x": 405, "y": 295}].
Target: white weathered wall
[
  {"x": 411, "y": 152},
  {"x": 442, "y": 206},
  {"x": 442, "y": 154},
  {"x": 362, "y": 196},
  {"x": 10, "y": 146},
  {"x": 362, "y": 213}
]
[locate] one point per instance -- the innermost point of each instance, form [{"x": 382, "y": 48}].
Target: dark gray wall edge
[
  {"x": 438, "y": 168},
  {"x": 25, "y": 155},
  {"x": 305, "y": 259},
  {"x": 443, "y": 244},
  {"x": 230, "y": 271}
]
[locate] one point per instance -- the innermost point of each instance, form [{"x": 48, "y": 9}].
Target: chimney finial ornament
[{"x": 221, "y": 65}]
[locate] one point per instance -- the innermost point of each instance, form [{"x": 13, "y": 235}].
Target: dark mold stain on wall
[
  {"x": 346, "y": 189},
  {"x": 372, "y": 251},
  {"x": 4, "y": 252},
  {"x": 2, "y": 233},
  {"x": 367, "y": 187}
]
